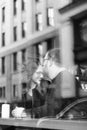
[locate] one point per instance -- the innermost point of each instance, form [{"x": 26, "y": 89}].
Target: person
[{"x": 63, "y": 85}]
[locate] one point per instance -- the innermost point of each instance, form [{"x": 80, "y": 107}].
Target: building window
[
  {"x": 38, "y": 53},
  {"x": 15, "y": 7},
  {"x": 15, "y": 90},
  {"x": 50, "y": 44},
  {"x": 23, "y": 5},
  {"x": 24, "y": 94},
  {"x": 15, "y": 33},
  {"x": 3, "y": 39},
  {"x": 3, "y": 65},
  {"x": 2, "y": 92},
  {"x": 3, "y": 14},
  {"x": 50, "y": 16},
  {"x": 23, "y": 29},
  {"x": 15, "y": 61},
  {"x": 39, "y": 25},
  {"x": 23, "y": 55}
]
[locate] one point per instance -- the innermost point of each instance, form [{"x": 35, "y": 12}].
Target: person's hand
[{"x": 18, "y": 112}]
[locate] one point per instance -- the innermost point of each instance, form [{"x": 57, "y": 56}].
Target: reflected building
[
  {"x": 74, "y": 18},
  {"x": 28, "y": 29}
]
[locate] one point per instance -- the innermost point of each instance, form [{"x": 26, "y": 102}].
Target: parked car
[{"x": 74, "y": 111}]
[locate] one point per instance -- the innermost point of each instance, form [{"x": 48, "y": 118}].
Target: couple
[{"x": 54, "y": 82}]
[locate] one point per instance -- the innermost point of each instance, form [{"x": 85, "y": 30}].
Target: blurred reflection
[{"x": 47, "y": 95}]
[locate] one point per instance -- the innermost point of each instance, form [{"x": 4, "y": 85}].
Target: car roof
[{"x": 71, "y": 105}]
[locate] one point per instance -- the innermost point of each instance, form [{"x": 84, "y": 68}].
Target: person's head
[
  {"x": 38, "y": 75},
  {"x": 52, "y": 62}
]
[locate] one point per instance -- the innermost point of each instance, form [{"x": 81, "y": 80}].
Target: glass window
[
  {"x": 23, "y": 55},
  {"x": 3, "y": 14},
  {"x": 15, "y": 61},
  {"x": 15, "y": 33},
  {"x": 2, "y": 92},
  {"x": 3, "y": 39},
  {"x": 15, "y": 7},
  {"x": 24, "y": 94},
  {"x": 3, "y": 65},
  {"x": 15, "y": 90},
  {"x": 23, "y": 5},
  {"x": 23, "y": 29},
  {"x": 39, "y": 23},
  {"x": 37, "y": 52},
  {"x": 50, "y": 16}
]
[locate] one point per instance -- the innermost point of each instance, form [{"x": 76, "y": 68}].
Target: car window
[{"x": 78, "y": 111}]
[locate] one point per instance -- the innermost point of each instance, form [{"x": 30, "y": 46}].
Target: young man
[{"x": 64, "y": 83}]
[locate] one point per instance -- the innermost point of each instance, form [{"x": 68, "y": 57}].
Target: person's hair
[{"x": 54, "y": 54}]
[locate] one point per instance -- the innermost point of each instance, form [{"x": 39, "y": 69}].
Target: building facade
[
  {"x": 26, "y": 26},
  {"x": 28, "y": 29}
]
